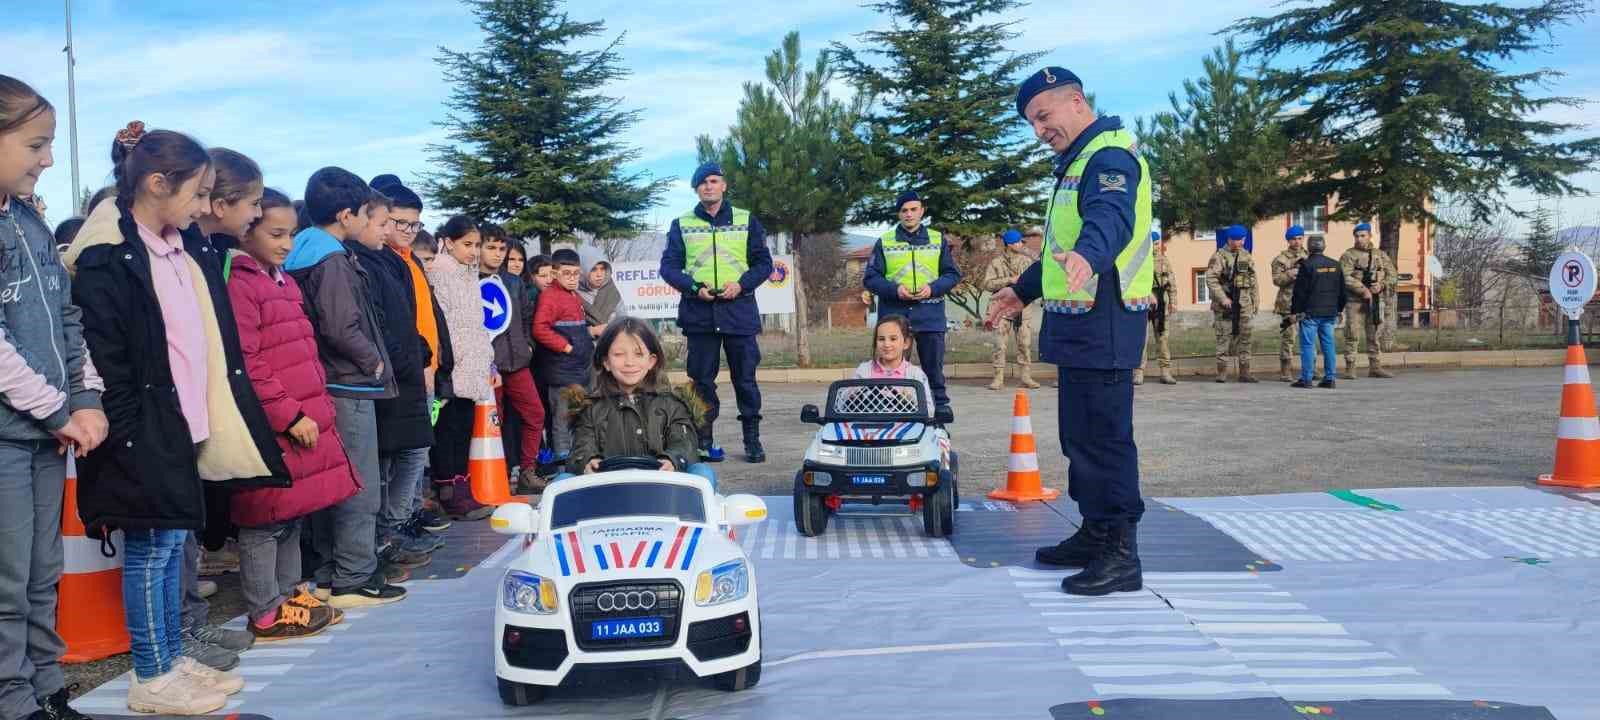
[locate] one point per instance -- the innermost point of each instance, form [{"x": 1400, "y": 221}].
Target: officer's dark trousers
[
  {"x": 930, "y": 357},
  {"x": 1096, "y": 425},
  {"x": 744, "y": 355}
]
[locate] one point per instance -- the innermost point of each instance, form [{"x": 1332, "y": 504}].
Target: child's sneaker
[
  {"x": 212, "y": 656},
  {"x": 374, "y": 592},
  {"x": 227, "y": 683},
  {"x": 293, "y": 622},
  {"x": 174, "y": 693},
  {"x": 459, "y": 503},
  {"x": 303, "y": 598},
  {"x": 221, "y": 561},
  {"x": 230, "y": 640},
  {"x": 431, "y": 521}
]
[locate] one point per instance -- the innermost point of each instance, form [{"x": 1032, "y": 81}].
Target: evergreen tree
[
  {"x": 1218, "y": 156},
  {"x": 1537, "y": 252},
  {"x": 1405, "y": 103},
  {"x": 794, "y": 159},
  {"x": 536, "y": 146},
  {"x": 945, "y": 117}
]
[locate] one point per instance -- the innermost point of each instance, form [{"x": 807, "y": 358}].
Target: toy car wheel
[
  {"x": 518, "y": 694},
  {"x": 810, "y": 514},
  {"x": 955, "y": 477},
  {"x": 742, "y": 679},
  {"x": 938, "y": 514}
]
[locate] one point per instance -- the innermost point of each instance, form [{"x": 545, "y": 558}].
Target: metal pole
[
  {"x": 1573, "y": 338},
  {"x": 72, "y": 108}
]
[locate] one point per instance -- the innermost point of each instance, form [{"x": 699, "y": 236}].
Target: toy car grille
[
  {"x": 876, "y": 456},
  {"x": 668, "y": 605},
  {"x": 869, "y": 400}
]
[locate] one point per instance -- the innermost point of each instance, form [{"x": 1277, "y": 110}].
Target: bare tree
[{"x": 1472, "y": 253}]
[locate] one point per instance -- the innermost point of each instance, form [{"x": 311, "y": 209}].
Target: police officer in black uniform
[
  {"x": 717, "y": 256},
  {"x": 1095, "y": 343}
]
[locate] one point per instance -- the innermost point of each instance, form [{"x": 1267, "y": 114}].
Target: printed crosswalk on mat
[
  {"x": 1340, "y": 536},
  {"x": 894, "y": 538},
  {"x": 1545, "y": 531}
]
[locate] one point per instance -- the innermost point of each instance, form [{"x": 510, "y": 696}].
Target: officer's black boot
[
  {"x": 1075, "y": 551},
  {"x": 753, "y": 452},
  {"x": 1115, "y": 569}
]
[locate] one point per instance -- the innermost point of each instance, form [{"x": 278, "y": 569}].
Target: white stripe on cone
[
  {"x": 1023, "y": 462},
  {"x": 1577, "y": 375},
  {"x": 1581, "y": 428},
  {"x": 82, "y": 555},
  {"x": 483, "y": 449},
  {"x": 1021, "y": 425}
]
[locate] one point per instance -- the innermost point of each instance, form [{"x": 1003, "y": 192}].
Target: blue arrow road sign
[{"x": 496, "y": 305}]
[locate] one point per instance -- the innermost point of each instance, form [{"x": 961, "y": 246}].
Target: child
[
  {"x": 359, "y": 372},
  {"x": 537, "y": 276},
  {"x": 891, "y": 354},
  {"x": 404, "y": 433},
  {"x": 280, "y": 354},
  {"x": 45, "y": 406},
  {"x": 208, "y": 425},
  {"x": 513, "y": 351},
  {"x": 516, "y": 260},
  {"x": 455, "y": 284},
  {"x": 562, "y": 331},
  {"x": 235, "y": 199},
  {"x": 629, "y": 411}
]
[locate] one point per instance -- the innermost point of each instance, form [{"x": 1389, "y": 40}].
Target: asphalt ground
[{"x": 1198, "y": 438}]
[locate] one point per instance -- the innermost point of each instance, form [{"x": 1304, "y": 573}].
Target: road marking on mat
[
  {"x": 1339, "y": 536},
  {"x": 1543, "y": 531},
  {"x": 901, "y": 650},
  {"x": 885, "y": 537}
]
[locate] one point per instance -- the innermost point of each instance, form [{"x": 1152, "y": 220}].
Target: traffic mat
[{"x": 1441, "y": 604}]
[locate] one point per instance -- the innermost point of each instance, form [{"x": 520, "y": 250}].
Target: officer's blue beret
[
  {"x": 905, "y": 197},
  {"x": 1294, "y": 231},
  {"x": 1155, "y": 236},
  {"x": 703, "y": 172},
  {"x": 1050, "y": 77},
  {"x": 1364, "y": 226},
  {"x": 1011, "y": 237},
  {"x": 1234, "y": 232}
]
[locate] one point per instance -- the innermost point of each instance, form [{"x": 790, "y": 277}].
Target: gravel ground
[{"x": 1198, "y": 438}]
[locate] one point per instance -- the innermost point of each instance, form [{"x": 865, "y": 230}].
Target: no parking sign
[
  {"x": 496, "y": 305},
  {"x": 1572, "y": 282}
]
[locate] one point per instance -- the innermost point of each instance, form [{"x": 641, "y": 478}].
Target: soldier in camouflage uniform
[
  {"x": 1232, "y": 273},
  {"x": 1369, "y": 276},
  {"x": 1160, "y": 318},
  {"x": 1285, "y": 267},
  {"x": 1003, "y": 272}
]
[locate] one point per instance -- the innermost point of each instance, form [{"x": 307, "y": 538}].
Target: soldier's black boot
[
  {"x": 753, "y": 452},
  {"x": 1115, "y": 569},
  {"x": 1075, "y": 551}
]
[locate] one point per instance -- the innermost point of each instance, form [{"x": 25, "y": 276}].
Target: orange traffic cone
[
  {"x": 1578, "y": 430},
  {"x": 486, "y": 461},
  {"x": 1022, "y": 472},
  {"x": 89, "y": 616}
]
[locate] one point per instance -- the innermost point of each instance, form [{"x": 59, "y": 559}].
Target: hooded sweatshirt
[{"x": 339, "y": 301}]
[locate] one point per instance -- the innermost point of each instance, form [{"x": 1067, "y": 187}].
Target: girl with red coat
[{"x": 280, "y": 354}]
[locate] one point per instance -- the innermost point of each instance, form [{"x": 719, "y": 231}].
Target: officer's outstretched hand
[{"x": 1003, "y": 305}]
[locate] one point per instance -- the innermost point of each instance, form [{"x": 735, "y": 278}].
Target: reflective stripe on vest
[
  {"x": 716, "y": 253},
  {"x": 1136, "y": 262},
  {"x": 912, "y": 267}
]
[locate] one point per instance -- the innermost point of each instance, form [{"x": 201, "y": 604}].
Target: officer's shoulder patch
[{"x": 1113, "y": 182}]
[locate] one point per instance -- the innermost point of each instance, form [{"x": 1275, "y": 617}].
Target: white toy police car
[
  {"x": 627, "y": 566},
  {"x": 878, "y": 444}
]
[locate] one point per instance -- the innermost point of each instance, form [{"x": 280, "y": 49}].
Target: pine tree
[
  {"x": 945, "y": 116},
  {"x": 794, "y": 159},
  {"x": 1405, "y": 103},
  {"x": 1537, "y": 252},
  {"x": 536, "y": 145},
  {"x": 1217, "y": 157}
]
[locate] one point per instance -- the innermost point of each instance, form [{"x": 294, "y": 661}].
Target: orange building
[{"x": 1190, "y": 253}]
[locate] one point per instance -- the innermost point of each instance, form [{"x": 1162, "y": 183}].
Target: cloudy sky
[{"x": 298, "y": 84}]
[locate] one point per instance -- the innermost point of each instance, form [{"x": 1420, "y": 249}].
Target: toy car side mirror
[
  {"x": 515, "y": 518},
  {"x": 743, "y": 510},
  {"x": 944, "y": 415},
  {"x": 810, "y": 414}
]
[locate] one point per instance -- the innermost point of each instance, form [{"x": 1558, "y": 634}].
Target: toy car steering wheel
[{"x": 635, "y": 462}]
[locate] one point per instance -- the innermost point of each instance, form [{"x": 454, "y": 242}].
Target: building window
[
  {"x": 1202, "y": 294},
  {"x": 1314, "y": 219}
]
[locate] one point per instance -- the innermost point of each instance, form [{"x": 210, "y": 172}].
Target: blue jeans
[
  {"x": 1316, "y": 333},
  {"x": 702, "y": 469},
  {"x": 402, "y": 475},
  {"x": 152, "y": 594}
]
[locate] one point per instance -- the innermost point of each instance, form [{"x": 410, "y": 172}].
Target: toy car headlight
[
  {"x": 907, "y": 454},
  {"x": 830, "y": 453},
  {"x": 528, "y": 593},
  {"x": 727, "y": 582}
]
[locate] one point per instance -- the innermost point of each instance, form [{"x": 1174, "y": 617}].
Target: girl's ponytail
[{"x": 137, "y": 154}]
